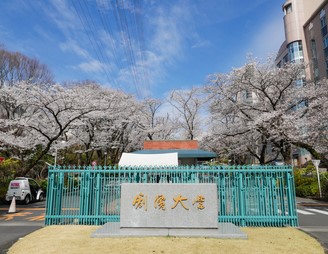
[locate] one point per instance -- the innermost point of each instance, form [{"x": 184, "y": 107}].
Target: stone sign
[{"x": 169, "y": 205}]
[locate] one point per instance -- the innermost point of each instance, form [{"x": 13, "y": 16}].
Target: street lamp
[
  {"x": 316, "y": 164},
  {"x": 105, "y": 153}
]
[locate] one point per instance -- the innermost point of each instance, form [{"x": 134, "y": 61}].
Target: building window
[
  {"x": 323, "y": 21},
  {"x": 315, "y": 59},
  {"x": 325, "y": 42},
  {"x": 288, "y": 9},
  {"x": 295, "y": 52},
  {"x": 323, "y": 25},
  {"x": 248, "y": 94},
  {"x": 279, "y": 64},
  {"x": 285, "y": 59},
  {"x": 322, "y": 13},
  {"x": 314, "y": 49},
  {"x": 326, "y": 52},
  {"x": 324, "y": 31},
  {"x": 300, "y": 82}
]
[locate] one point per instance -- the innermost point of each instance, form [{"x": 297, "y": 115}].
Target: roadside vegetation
[{"x": 306, "y": 182}]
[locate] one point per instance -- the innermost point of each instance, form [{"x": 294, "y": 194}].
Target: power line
[
  {"x": 128, "y": 26},
  {"x": 93, "y": 42},
  {"x": 125, "y": 36}
]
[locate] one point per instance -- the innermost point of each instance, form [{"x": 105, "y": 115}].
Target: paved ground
[
  {"x": 313, "y": 219},
  {"x": 13, "y": 226},
  {"x": 11, "y": 233}
]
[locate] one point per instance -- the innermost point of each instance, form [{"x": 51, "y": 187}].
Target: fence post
[
  {"x": 50, "y": 199},
  {"x": 97, "y": 202},
  {"x": 222, "y": 195},
  {"x": 59, "y": 194},
  {"x": 241, "y": 195},
  {"x": 292, "y": 214},
  {"x": 84, "y": 195}
]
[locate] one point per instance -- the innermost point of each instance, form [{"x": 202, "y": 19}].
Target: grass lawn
[{"x": 76, "y": 239}]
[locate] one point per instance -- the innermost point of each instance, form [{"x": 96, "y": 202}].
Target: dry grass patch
[{"x": 76, "y": 239}]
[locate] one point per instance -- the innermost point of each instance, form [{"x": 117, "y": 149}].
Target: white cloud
[
  {"x": 93, "y": 66},
  {"x": 74, "y": 47},
  {"x": 64, "y": 16},
  {"x": 169, "y": 26},
  {"x": 109, "y": 42},
  {"x": 43, "y": 33},
  {"x": 169, "y": 33},
  {"x": 201, "y": 44},
  {"x": 103, "y": 6}
]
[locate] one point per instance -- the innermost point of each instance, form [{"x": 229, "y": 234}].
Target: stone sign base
[{"x": 224, "y": 230}]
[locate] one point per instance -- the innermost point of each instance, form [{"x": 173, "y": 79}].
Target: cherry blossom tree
[
  {"x": 155, "y": 124},
  {"x": 188, "y": 105},
  {"x": 46, "y": 116},
  {"x": 111, "y": 131},
  {"x": 259, "y": 110}
]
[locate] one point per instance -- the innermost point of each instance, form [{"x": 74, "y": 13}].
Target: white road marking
[
  {"x": 304, "y": 212},
  {"x": 318, "y": 211}
]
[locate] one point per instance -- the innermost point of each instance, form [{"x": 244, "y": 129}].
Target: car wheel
[
  {"x": 41, "y": 197},
  {"x": 27, "y": 199}
]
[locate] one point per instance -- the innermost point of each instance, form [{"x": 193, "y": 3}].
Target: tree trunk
[{"x": 286, "y": 152}]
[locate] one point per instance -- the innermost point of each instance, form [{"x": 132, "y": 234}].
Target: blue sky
[{"x": 144, "y": 47}]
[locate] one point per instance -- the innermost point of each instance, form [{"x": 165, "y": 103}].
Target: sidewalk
[{"x": 309, "y": 201}]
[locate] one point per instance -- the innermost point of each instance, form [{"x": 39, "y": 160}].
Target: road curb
[{"x": 323, "y": 245}]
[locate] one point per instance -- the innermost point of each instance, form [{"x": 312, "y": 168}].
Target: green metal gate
[{"x": 247, "y": 195}]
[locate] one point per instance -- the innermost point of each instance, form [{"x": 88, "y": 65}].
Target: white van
[{"x": 25, "y": 190}]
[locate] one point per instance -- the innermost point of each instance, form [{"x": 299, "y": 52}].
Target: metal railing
[{"x": 247, "y": 195}]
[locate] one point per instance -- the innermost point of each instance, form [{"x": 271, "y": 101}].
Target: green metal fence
[{"x": 247, "y": 195}]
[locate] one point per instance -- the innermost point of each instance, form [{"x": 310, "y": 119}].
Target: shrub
[
  {"x": 324, "y": 185},
  {"x": 3, "y": 190},
  {"x": 306, "y": 182},
  {"x": 44, "y": 184},
  {"x": 307, "y": 190}
]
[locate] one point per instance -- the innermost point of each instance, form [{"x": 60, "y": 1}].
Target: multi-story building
[
  {"x": 306, "y": 40},
  {"x": 297, "y": 13},
  {"x": 316, "y": 41}
]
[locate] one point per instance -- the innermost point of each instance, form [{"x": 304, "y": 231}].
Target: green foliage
[
  {"x": 307, "y": 190},
  {"x": 8, "y": 168},
  {"x": 3, "y": 189},
  {"x": 306, "y": 183},
  {"x": 324, "y": 185},
  {"x": 310, "y": 169},
  {"x": 297, "y": 177},
  {"x": 44, "y": 184}
]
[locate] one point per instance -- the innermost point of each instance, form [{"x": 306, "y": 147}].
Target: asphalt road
[
  {"x": 313, "y": 219},
  {"x": 13, "y": 226}
]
